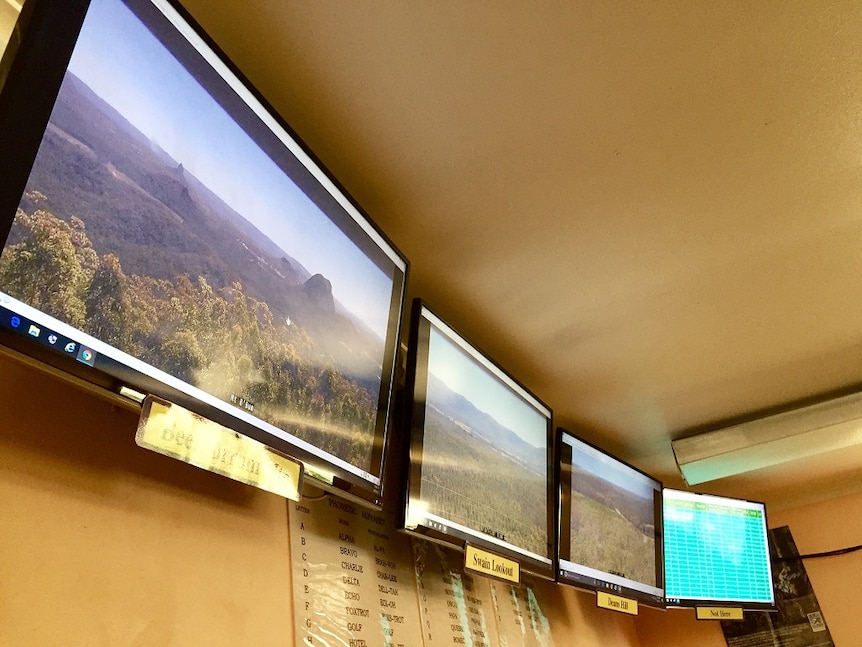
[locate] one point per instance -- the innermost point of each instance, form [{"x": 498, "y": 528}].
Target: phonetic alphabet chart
[
  {"x": 462, "y": 609},
  {"x": 353, "y": 581},
  {"x": 520, "y": 619},
  {"x": 359, "y": 582},
  {"x": 455, "y": 607}
]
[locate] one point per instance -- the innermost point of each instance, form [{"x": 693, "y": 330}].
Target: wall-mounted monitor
[
  {"x": 610, "y": 523},
  {"x": 716, "y": 552},
  {"x": 165, "y": 230},
  {"x": 480, "y": 450}
]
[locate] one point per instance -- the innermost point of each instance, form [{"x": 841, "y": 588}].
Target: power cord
[{"x": 828, "y": 553}]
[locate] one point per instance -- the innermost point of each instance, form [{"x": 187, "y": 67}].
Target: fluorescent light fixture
[{"x": 780, "y": 438}]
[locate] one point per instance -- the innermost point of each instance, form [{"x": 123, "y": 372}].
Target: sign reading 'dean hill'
[
  {"x": 616, "y": 603},
  {"x": 171, "y": 430}
]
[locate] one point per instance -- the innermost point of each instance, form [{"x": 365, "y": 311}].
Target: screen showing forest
[
  {"x": 484, "y": 447},
  {"x": 170, "y": 218},
  {"x": 610, "y": 522}
]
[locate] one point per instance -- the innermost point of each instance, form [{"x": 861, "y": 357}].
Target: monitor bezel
[
  {"x": 583, "y": 581},
  {"x": 445, "y": 533},
  {"x": 26, "y": 101}
]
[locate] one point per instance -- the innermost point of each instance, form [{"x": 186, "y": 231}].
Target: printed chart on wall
[
  {"x": 458, "y": 608},
  {"x": 799, "y": 621},
  {"x": 353, "y": 581},
  {"x": 455, "y": 607},
  {"x": 520, "y": 618},
  {"x": 357, "y": 582}
]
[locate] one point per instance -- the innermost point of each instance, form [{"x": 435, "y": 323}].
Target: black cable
[{"x": 828, "y": 553}]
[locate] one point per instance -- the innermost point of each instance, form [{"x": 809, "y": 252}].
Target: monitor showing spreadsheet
[{"x": 716, "y": 552}]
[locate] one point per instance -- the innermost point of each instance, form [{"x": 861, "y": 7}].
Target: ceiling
[{"x": 649, "y": 213}]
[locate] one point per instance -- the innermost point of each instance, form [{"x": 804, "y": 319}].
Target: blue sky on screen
[
  {"x": 464, "y": 376},
  {"x": 608, "y": 469},
  {"x": 123, "y": 63}
]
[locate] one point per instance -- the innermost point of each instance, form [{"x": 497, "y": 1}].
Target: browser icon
[{"x": 87, "y": 356}]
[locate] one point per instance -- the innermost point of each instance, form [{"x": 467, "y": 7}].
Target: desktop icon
[
  {"x": 87, "y": 356},
  {"x": 34, "y": 330},
  {"x": 70, "y": 347},
  {"x": 52, "y": 339},
  {"x": 15, "y": 321}
]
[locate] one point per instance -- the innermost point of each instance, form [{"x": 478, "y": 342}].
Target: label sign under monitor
[
  {"x": 169, "y": 429},
  {"x": 483, "y": 562},
  {"x": 616, "y": 603},
  {"x": 719, "y": 613}
]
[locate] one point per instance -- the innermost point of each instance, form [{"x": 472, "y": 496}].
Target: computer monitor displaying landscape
[
  {"x": 610, "y": 524},
  {"x": 174, "y": 235},
  {"x": 479, "y": 451},
  {"x": 716, "y": 552}
]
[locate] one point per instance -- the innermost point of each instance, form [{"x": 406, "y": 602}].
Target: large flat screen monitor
[
  {"x": 480, "y": 450},
  {"x": 610, "y": 524},
  {"x": 716, "y": 552},
  {"x": 165, "y": 230}
]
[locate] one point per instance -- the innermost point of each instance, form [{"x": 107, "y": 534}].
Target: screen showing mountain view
[
  {"x": 479, "y": 459},
  {"x": 610, "y": 524},
  {"x": 173, "y": 228}
]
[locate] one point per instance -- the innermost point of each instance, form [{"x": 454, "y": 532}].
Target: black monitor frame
[
  {"x": 584, "y": 576},
  {"x": 414, "y": 517},
  {"x": 742, "y": 506},
  {"x": 27, "y": 99}
]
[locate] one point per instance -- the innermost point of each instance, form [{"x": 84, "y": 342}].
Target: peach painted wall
[
  {"x": 828, "y": 526},
  {"x": 104, "y": 543},
  {"x": 816, "y": 528},
  {"x": 677, "y": 628}
]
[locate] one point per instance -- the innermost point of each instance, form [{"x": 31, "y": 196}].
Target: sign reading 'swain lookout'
[{"x": 487, "y": 563}]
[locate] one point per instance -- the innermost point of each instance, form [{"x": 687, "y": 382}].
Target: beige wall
[
  {"x": 8, "y": 15},
  {"x": 104, "y": 543},
  {"x": 9, "y": 35},
  {"x": 828, "y": 526},
  {"x": 815, "y": 528},
  {"x": 677, "y": 628}
]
